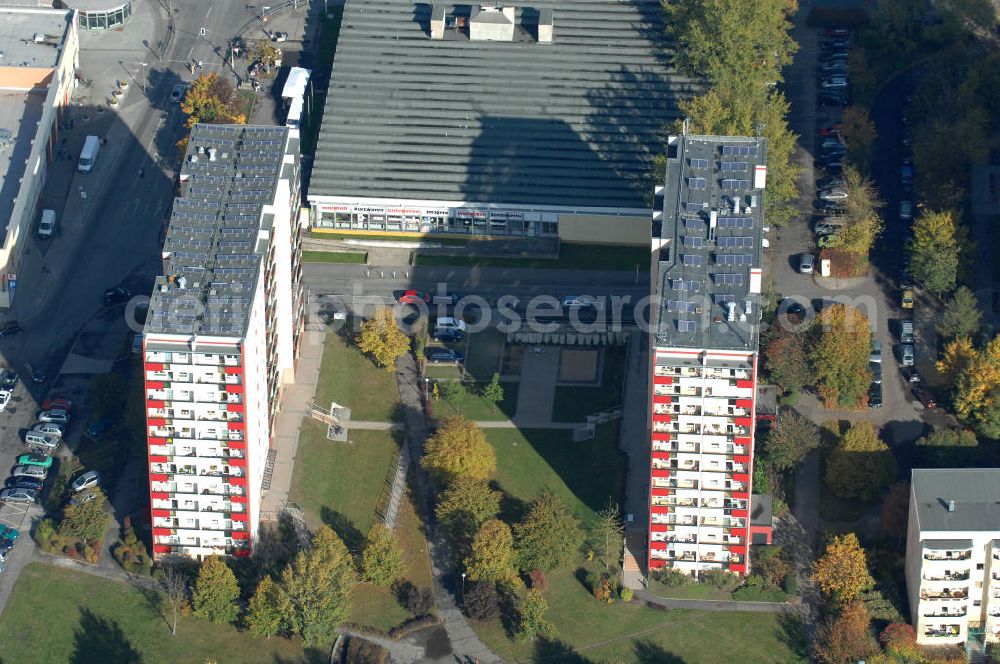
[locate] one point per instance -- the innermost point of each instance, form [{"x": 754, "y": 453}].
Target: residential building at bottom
[
  {"x": 953, "y": 555},
  {"x": 221, "y": 336}
]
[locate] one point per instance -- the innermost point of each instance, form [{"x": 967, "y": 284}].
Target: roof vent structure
[
  {"x": 545, "y": 26},
  {"x": 951, "y": 505},
  {"x": 437, "y": 21},
  {"x": 492, "y": 24}
]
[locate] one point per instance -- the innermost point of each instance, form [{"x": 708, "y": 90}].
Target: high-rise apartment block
[
  {"x": 222, "y": 336},
  {"x": 707, "y": 246}
]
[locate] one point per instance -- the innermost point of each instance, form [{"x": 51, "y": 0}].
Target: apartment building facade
[
  {"x": 953, "y": 555},
  {"x": 708, "y": 229},
  {"x": 221, "y": 336}
]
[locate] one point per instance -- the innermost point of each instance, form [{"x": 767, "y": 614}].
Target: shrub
[
  {"x": 673, "y": 578},
  {"x": 69, "y": 551},
  {"x": 482, "y": 601},
  {"x": 605, "y": 591},
  {"x": 718, "y": 578},
  {"x": 592, "y": 580},
  {"x": 361, "y": 651},
  {"x": 900, "y": 639},
  {"x": 791, "y": 584},
  {"x": 418, "y": 601},
  {"x": 625, "y": 594},
  {"x": 538, "y": 581},
  {"x": 90, "y": 554}
]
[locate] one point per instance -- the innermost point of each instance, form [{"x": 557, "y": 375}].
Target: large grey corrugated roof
[
  {"x": 976, "y": 492},
  {"x": 572, "y": 123}
]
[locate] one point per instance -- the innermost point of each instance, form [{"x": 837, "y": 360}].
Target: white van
[
  {"x": 88, "y": 155},
  {"x": 47, "y": 226}
]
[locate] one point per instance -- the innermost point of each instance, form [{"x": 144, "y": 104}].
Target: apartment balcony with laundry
[
  {"x": 931, "y": 575},
  {"x": 944, "y": 612},
  {"x": 941, "y": 594},
  {"x": 943, "y": 631},
  {"x": 947, "y": 555}
]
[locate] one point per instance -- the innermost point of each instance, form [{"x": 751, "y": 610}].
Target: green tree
[
  {"x": 381, "y": 338},
  {"x": 265, "y": 52},
  {"x": 318, "y": 584},
  {"x": 458, "y": 449},
  {"x": 549, "y": 536},
  {"x": 87, "y": 520},
  {"x": 216, "y": 592},
  {"x": 382, "y": 558},
  {"x": 842, "y": 572},
  {"x": 267, "y": 610},
  {"x": 790, "y": 440},
  {"x": 210, "y": 99},
  {"x": 786, "y": 361},
  {"x": 464, "y": 506},
  {"x": 452, "y": 392},
  {"x": 494, "y": 393},
  {"x": 934, "y": 251},
  {"x": 607, "y": 536},
  {"x": 961, "y": 316},
  {"x": 862, "y": 464},
  {"x": 863, "y": 205},
  {"x": 492, "y": 555},
  {"x": 531, "y": 620},
  {"x": 839, "y": 356},
  {"x": 948, "y": 448}
]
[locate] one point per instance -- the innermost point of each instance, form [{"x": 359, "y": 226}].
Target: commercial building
[
  {"x": 534, "y": 120},
  {"x": 38, "y": 61},
  {"x": 707, "y": 242},
  {"x": 100, "y": 14},
  {"x": 953, "y": 555},
  {"x": 222, "y": 336}
]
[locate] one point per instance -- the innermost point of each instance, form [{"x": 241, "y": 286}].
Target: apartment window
[
  {"x": 979, "y": 565},
  {"x": 977, "y": 602}
]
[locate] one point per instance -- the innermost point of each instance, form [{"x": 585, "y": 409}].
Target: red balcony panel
[
  {"x": 743, "y": 421},
  {"x": 742, "y": 440},
  {"x": 659, "y": 509},
  {"x": 658, "y": 546},
  {"x": 234, "y": 408},
  {"x": 662, "y": 436},
  {"x": 153, "y": 440},
  {"x": 662, "y": 398},
  {"x": 657, "y": 454},
  {"x": 741, "y": 477},
  {"x": 657, "y": 564},
  {"x": 161, "y": 495},
  {"x": 161, "y": 548},
  {"x": 240, "y": 535},
  {"x": 241, "y": 516},
  {"x": 237, "y": 426},
  {"x": 154, "y": 366},
  {"x": 238, "y": 499},
  {"x": 232, "y": 371},
  {"x": 744, "y": 384},
  {"x": 154, "y": 385},
  {"x": 661, "y": 417},
  {"x": 161, "y": 531},
  {"x": 234, "y": 389},
  {"x": 738, "y": 568},
  {"x": 737, "y": 548},
  {"x": 658, "y": 527},
  {"x": 744, "y": 494},
  {"x": 160, "y": 512},
  {"x": 663, "y": 380},
  {"x": 237, "y": 444},
  {"x": 741, "y": 458},
  {"x": 156, "y": 422},
  {"x": 661, "y": 472},
  {"x": 741, "y": 513},
  {"x": 155, "y": 403},
  {"x": 744, "y": 403},
  {"x": 158, "y": 477},
  {"x": 234, "y": 461},
  {"x": 243, "y": 552},
  {"x": 156, "y": 458},
  {"x": 660, "y": 491},
  {"x": 238, "y": 481}
]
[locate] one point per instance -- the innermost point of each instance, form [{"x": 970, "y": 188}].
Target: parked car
[
  {"x": 57, "y": 403},
  {"x": 910, "y": 375},
  {"x": 906, "y": 210},
  {"x": 116, "y": 295},
  {"x": 36, "y": 472},
  {"x": 830, "y": 182},
  {"x": 832, "y": 152},
  {"x": 827, "y": 98},
  {"x": 9, "y": 532},
  {"x": 82, "y": 498},
  {"x": 50, "y": 428},
  {"x": 18, "y": 496},
  {"x": 448, "y": 336},
  {"x": 807, "y": 263},
  {"x": 925, "y": 397},
  {"x": 279, "y": 36},
  {"x": 792, "y": 308},
  {"x": 876, "y": 354},
  {"x": 5, "y": 397},
  {"x": 25, "y": 483},
  {"x": 44, "y": 442},
  {"x": 579, "y": 302},
  {"x": 906, "y": 174},
  {"x": 875, "y": 395},
  {"x": 836, "y": 194},
  {"x": 177, "y": 92},
  {"x": 828, "y": 241},
  {"x": 57, "y": 415},
  {"x": 875, "y": 369},
  {"x": 100, "y": 426},
  {"x": 449, "y": 323},
  {"x": 8, "y": 380},
  {"x": 906, "y": 298},
  {"x": 906, "y": 355},
  {"x": 834, "y": 83},
  {"x": 35, "y": 460},
  {"x": 826, "y": 229},
  {"x": 830, "y": 207},
  {"x": 47, "y": 224},
  {"x": 450, "y": 299},
  {"x": 88, "y": 479},
  {"x": 839, "y": 33},
  {"x": 438, "y": 355},
  {"x": 37, "y": 375},
  {"x": 906, "y": 331},
  {"x": 411, "y": 297}
]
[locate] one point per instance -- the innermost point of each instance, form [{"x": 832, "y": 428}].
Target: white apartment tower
[
  {"x": 707, "y": 238},
  {"x": 222, "y": 336},
  {"x": 953, "y": 555}
]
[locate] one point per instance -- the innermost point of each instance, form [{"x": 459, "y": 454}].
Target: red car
[
  {"x": 925, "y": 397},
  {"x": 833, "y": 130},
  {"x": 412, "y": 297},
  {"x": 57, "y": 403}
]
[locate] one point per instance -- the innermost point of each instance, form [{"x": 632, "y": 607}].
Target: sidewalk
[{"x": 633, "y": 440}]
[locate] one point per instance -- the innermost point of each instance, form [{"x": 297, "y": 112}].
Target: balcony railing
[
  {"x": 947, "y": 555},
  {"x": 950, "y": 631},
  {"x": 955, "y": 576},
  {"x": 944, "y": 613},
  {"x": 945, "y": 594}
]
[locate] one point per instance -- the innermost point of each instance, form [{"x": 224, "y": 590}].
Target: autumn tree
[
  {"x": 381, "y": 338},
  {"x": 841, "y": 346},
  {"x": 842, "y": 572},
  {"x": 846, "y": 638},
  {"x": 976, "y": 383},
  {"x": 948, "y": 448},
  {"x": 210, "y": 99},
  {"x": 900, "y": 639},
  {"x": 895, "y": 511},
  {"x": 86, "y": 520},
  {"x": 265, "y": 52},
  {"x": 382, "y": 557},
  {"x": 531, "y": 620},
  {"x": 176, "y": 587},
  {"x": 549, "y": 536},
  {"x": 934, "y": 251},
  {"x": 607, "y": 536},
  {"x": 494, "y": 392},
  {"x": 267, "y": 609},
  {"x": 961, "y": 316},
  {"x": 858, "y": 133},
  {"x": 458, "y": 449},
  {"x": 955, "y": 359},
  {"x": 492, "y": 554},
  {"x": 216, "y": 592},
  {"x": 861, "y": 465},
  {"x": 464, "y": 506},
  {"x": 786, "y": 361},
  {"x": 863, "y": 214},
  {"x": 318, "y": 584},
  {"x": 791, "y": 438}
]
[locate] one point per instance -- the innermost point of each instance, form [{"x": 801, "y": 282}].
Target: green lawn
[
  {"x": 473, "y": 406},
  {"x": 571, "y": 257},
  {"x": 57, "y": 615},
  {"x": 688, "y": 591},
  {"x": 483, "y": 354},
  {"x": 585, "y": 475},
  {"x": 340, "y": 483},
  {"x": 574, "y": 404},
  {"x": 376, "y": 607},
  {"x": 334, "y": 256},
  {"x": 634, "y": 633},
  {"x": 352, "y": 380}
]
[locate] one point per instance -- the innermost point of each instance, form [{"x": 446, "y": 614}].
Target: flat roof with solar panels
[
  {"x": 218, "y": 232},
  {"x": 709, "y": 236}
]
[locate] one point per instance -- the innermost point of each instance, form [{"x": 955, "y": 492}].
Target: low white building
[{"x": 953, "y": 555}]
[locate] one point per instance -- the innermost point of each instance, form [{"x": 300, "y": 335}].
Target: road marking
[
  {"x": 190, "y": 53},
  {"x": 209, "y": 12}
]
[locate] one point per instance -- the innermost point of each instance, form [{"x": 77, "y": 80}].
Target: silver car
[
  {"x": 26, "y": 470},
  {"x": 50, "y": 428},
  {"x": 57, "y": 415},
  {"x": 906, "y": 355},
  {"x": 85, "y": 481},
  {"x": 18, "y": 496}
]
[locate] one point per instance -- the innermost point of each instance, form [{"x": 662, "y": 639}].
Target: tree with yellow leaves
[
  {"x": 841, "y": 346},
  {"x": 858, "y": 133},
  {"x": 381, "y": 338},
  {"x": 861, "y": 465},
  {"x": 976, "y": 383},
  {"x": 458, "y": 449},
  {"x": 957, "y": 355},
  {"x": 934, "y": 251},
  {"x": 842, "y": 573}
]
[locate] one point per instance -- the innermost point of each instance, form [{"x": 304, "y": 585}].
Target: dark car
[
  {"x": 829, "y": 207},
  {"x": 448, "y": 336},
  {"x": 832, "y": 99},
  {"x": 100, "y": 426},
  {"x": 875, "y": 369},
  {"x": 792, "y": 309},
  {"x": 875, "y": 395},
  {"x": 116, "y": 295},
  {"x": 9, "y": 328},
  {"x": 6, "y": 544},
  {"x": 925, "y": 397},
  {"x": 8, "y": 380},
  {"x": 450, "y": 299},
  {"x": 24, "y": 483},
  {"x": 444, "y": 355}
]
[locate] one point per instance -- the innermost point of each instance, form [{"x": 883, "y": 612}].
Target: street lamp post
[
  {"x": 463, "y": 588},
  {"x": 142, "y": 84}
]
